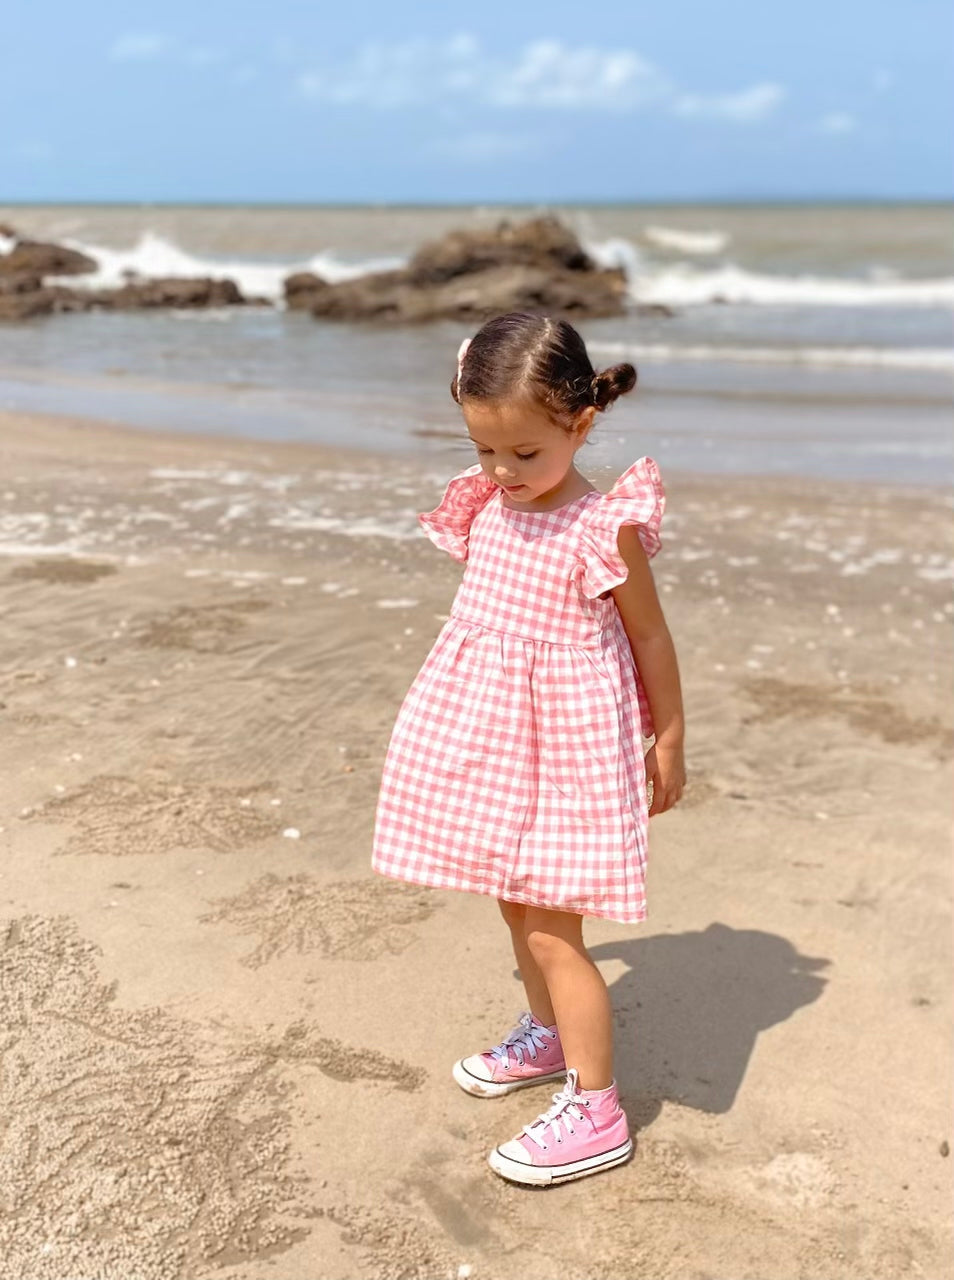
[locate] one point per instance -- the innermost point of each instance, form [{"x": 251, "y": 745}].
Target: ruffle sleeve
[
  {"x": 448, "y": 525},
  {"x": 637, "y": 498}
]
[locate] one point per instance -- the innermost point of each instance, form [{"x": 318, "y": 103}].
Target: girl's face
[{"x": 521, "y": 450}]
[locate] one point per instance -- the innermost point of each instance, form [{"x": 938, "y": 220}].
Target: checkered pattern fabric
[{"x": 515, "y": 765}]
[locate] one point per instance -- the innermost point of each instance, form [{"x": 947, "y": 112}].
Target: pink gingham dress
[{"x": 515, "y": 766}]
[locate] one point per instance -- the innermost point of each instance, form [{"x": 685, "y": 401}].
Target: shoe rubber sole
[
  {"x": 497, "y": 1088},
  {"x": 534, "y": 1175}
]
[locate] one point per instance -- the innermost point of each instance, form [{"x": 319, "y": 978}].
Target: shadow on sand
[{"x": 689, "y": 1007}]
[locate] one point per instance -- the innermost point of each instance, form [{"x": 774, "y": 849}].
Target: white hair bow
[{"x": 461, "y": 352}]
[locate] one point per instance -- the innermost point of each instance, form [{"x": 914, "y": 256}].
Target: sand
[{"x": 226, "y": 1045}]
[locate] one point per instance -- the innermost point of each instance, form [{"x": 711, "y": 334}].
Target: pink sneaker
[
  {"x": 531, "y": 1054},
  {"x": 584, "y": 1132}
]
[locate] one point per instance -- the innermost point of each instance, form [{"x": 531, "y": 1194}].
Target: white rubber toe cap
[
  {"x": 476, "y": 1066},
  {"x": 514, "y": 1150}
]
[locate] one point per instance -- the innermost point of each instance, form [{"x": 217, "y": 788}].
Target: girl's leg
[
  {"x": 538, "y": 998},
  {"x": 580, "y": 1000}
]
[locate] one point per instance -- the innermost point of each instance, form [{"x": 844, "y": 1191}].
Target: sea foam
[
  {"x": 153, "y": 256},
  {"x": 701, "y": 242},
  {"x": 935, "y": 359},
  {"x": 677, "y": 284},
  {"x": 682, "y": 285}
]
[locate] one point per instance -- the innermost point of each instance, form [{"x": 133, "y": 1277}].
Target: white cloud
[
  {"x": 310, "y": 84},
  {"x": 544, "y": 74},
  {"x": 482, "y": 147},
  {"x": 747, "y": 105},
  {"x": 463, "y": 45},
  {"x": 378, "y": 76},
  {"x": 837, "y": 122},
  {"x": 549, "y": 75},
  {"x": 202, "y": 56},
  {"x": 138, "y": 46},
  {"x": 149, "y": 46}
]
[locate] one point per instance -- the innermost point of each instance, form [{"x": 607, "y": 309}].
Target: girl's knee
[
  {"x": 543, "y": 946},
  {"x": 549, "y": 934}
]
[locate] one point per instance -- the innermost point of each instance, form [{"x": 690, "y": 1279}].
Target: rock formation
[
  {"x": 34, "y": 258},
  {"x": 538, "y": 265},
  {"x": 25, "y": 290}
]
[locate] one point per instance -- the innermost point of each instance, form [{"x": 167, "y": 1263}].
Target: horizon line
[{"x": 709, "y": 201}]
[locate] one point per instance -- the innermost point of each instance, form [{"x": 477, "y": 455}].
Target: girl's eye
[{"x": 524, "y": 457}]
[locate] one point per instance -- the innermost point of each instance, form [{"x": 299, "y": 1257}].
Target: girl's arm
[{"x": 655, "y": 658}]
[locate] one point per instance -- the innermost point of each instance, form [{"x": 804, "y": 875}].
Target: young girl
[{"x": 516, "y": 765}]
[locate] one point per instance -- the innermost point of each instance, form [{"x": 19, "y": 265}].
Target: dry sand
[{"x": 226, "y": 1045}]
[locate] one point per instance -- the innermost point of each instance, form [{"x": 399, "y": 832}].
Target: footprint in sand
[
  {"x": 205, "y": 629},
  {"x": 118, "y": 815},
  {"x": 136, "y": 1143},
  {"x": 62, "y": 571},
  {"x": 863, "y": 711},
  {"x": 794, "y": 1177},
  {"x": 394, "y": 1244},
  {"x": 349, "y": 919}
]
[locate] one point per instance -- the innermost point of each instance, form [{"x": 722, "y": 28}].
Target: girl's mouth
[{"x": 512, "y": 488}]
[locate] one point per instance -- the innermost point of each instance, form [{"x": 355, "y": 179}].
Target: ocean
[{"x": 805, "y": 339}]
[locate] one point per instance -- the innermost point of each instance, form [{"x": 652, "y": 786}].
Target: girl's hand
[{"x": 666, "y": 769}]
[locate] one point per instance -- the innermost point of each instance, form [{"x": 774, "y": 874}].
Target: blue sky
[{"x": 607, "y": 100}]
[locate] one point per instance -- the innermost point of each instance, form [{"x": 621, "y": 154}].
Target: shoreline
[
  {"x": 220, "y": 1018},
  {"x": 718, "y": 433},
  {"x": 142, "y": 442}
]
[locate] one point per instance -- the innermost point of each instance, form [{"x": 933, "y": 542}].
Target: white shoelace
[
  {"x": 523, "y": 1042},
  {"x": 567, "y": 1106}
]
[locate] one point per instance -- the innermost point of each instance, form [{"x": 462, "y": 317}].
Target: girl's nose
[{"x": 502, "y": 471}]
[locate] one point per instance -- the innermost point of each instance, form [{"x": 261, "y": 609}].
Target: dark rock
[
  {"x": 538, "y": 265},
  {"x": 24, "y": 294},
  {"x": 37, "y": 258},
  {"x": 172, "y": 292},
  {"x": 302, "y": 289},
  {"x": 19, "y": 282},
  {"x": 654, "y": 310},
  {"x": 541, "y": 242},
  {"x": 391, "y": 296},
  {"x": 138, "y": 296},
  {"x": 24, "y": 306}
]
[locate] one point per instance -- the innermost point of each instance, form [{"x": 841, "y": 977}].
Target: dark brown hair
[{"x": 520, "y": 354}]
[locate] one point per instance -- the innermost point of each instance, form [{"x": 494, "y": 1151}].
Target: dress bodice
[{"x": 544, "y": 575}]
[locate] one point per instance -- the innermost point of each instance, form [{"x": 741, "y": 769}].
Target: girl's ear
[{"x": 584, "y": 422}]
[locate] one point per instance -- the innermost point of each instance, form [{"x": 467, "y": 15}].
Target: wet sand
[{"x": 226, "y": 1045}]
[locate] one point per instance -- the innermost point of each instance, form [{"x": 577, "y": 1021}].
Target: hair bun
[{"x": 609, "y": 384}]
